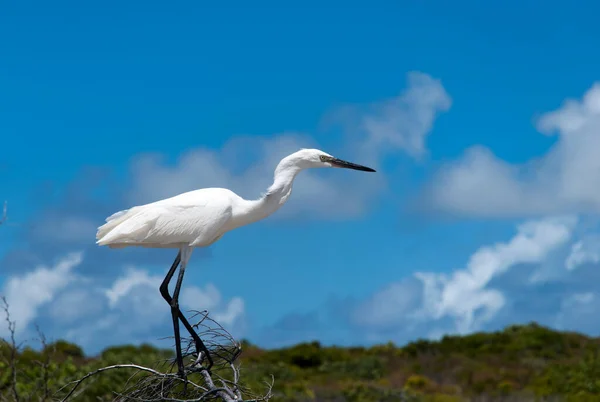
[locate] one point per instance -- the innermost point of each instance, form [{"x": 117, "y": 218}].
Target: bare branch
[
  {"x": 13, "y": 348},
  {"x": 165, "y": 385},
  {"x": 44, "y": 364},
  {"x": 77, "y": 383}
]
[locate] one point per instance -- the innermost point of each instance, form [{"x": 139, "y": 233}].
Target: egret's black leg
[
  {"x": 164, "y": 290},
  {"x": 175, "y": 313}
]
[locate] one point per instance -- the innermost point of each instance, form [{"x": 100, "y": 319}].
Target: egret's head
[{"x": 312, "y": 158}]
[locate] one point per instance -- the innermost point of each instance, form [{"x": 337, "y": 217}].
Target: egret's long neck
[
  {"x": 276, "y": 195},
  {"x": 280, "y": 190}
]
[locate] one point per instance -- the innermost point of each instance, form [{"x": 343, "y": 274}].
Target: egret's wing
[
  {"x": 196, "y": 225},
  {"x": 163, "y": 223}
]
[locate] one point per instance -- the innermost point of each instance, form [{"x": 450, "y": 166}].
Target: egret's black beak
[{"x": 335, "y": 162}]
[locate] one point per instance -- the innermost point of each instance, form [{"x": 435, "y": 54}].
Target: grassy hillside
[{"x": 520, "y": 363}]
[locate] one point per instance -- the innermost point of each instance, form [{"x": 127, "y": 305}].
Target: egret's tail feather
[
  {"x": 127, "y": 228},
  {"x": 112, "y": 222}
]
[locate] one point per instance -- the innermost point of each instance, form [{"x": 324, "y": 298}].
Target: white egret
[{"x": 201, "y": 217}]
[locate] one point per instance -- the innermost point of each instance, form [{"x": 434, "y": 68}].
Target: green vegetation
[{"x": 520, "y": 363}]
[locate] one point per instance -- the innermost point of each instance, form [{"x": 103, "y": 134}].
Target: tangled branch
[{"x": 163, "y": 384}]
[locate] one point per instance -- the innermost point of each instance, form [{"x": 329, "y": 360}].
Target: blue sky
[{"x": 482, "y": 213}]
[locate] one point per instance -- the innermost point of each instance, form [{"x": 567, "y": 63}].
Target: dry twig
[
  {"x": 12, "y": 344},
  {"x": 162, "y": 384}
]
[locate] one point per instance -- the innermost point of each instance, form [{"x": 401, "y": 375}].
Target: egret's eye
[{"x": 323, "y": 158}]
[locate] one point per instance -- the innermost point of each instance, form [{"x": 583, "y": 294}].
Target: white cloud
[
  {"x": 138, "y": 285},
  {"x": 385, "y": 307},
  {"x": 196, "y": 298},
  {"x": 565, "y": 180},
  {"x": 129, "y": 310},
  {"x": 464, "y": 298},
  {"x": 501, "y": 284},
  {"x": 209, "y": 298},
  {"x": 584, "y": 251},
  {"x": 27, "y": 293},
  {"x": 231, "y": 313},
  {"x": 75, "y": 303},
  {"x": 403, "y": 123},
  {"x": 136, "y": 308},
  {"x": 123, "y": 285}
]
